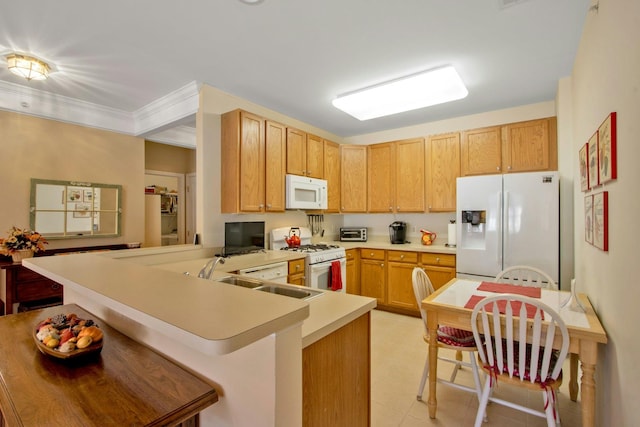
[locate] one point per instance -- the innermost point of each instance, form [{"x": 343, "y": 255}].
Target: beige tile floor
[{"x": 398, "y": 354}]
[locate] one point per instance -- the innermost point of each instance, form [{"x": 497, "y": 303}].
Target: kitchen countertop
[
  {"x": 386, "y": 245},
  {"x": 214, "y": 317},
  {"x": 327, "y": 312}
]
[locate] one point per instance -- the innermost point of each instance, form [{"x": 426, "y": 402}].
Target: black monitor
[{"x": 243, "y": 237}]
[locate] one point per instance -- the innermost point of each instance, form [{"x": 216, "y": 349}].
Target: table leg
[
  {"x": 432, "y": 326},
  {"x": 573, "y": 378},
  {"x": 588, "y": 357}
]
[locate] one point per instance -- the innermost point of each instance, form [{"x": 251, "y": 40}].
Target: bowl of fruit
[{"x": 66, "y": 336}]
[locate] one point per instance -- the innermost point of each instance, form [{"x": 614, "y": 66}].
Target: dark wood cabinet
[{"x": 32, "y": 290}]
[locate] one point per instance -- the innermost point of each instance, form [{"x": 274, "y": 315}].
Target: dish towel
[{"x": 336, "y": 276}]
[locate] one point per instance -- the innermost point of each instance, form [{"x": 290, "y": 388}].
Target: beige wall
[
  {"x": 39, "y": 148},
  {"x": 606, "y": 78},
  {"x": 169, "y": 158}
]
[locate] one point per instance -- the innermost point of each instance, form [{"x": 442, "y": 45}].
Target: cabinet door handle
[
  {"x": 269, "y": 205},
  {"x": 297, "y": 267},
  {"x": 55, "y": 286},
  {"x": 382, "y": 265},
  {"x": 371, "y": 254},
  {"x": 401, "y": 256},
  {"x": 438, "y": 260}
]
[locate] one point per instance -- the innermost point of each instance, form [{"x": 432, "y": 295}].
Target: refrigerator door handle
[
  {"x": 505, "y": 230},
  {"x": 500, "y": 227}
]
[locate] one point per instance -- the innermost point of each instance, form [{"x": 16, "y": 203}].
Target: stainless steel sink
[
  {"x": 300, "y": 293},
  {"x": 285, "y": 290},
  {"x": 241, "y": 281}
]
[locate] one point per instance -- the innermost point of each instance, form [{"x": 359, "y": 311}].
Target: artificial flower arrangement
[{"x": 20, "y": 239}]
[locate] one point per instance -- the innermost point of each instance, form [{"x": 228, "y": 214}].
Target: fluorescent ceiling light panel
[{"x": 404, "y": 94}]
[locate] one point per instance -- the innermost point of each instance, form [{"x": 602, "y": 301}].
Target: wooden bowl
[{"x": 93, "y": 349}]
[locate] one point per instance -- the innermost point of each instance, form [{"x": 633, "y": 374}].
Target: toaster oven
[{"x": 353, "y": 234}]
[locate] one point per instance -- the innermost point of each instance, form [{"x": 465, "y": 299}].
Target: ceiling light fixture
[
  {"x": 29, "y": 67},
  {"x": 419, "y": 90}
]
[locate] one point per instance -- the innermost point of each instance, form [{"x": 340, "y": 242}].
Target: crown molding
[
  {"x": 157, "y": 115},
  {"x": 172, "y": 107},
  {"x": 181, "y": 136},
  {"x": 25, "y": 100}
]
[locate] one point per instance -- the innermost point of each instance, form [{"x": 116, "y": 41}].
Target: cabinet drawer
[
  {"x": 446, "y": 260},
  {"x": 351, "y": 253},
  {"x": 24, "y": 275},
  {"x": 402, "y": 256},
  {"x": 296, "y": 266},
  {"x": 38, "y": 290},
  {"x": 372, "y": 254}
]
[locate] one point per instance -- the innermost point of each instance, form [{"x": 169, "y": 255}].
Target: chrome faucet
[{"x": 210, "y": 265}]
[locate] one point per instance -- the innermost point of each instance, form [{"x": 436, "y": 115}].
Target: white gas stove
[{"x": 320, "y": 257}]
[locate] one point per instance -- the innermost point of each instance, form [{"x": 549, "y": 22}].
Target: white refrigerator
[{"x": 507, "y": 220}]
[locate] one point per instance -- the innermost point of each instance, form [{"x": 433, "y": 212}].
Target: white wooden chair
[
  {"x": 525, "y": 275},
  {"x": 451, "y": 338},
  {"x": 520, "y": 352}
]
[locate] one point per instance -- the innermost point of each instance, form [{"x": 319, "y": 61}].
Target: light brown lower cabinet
[
  {"x": 296, "y": 272},
  {"x": 336, "y": 377},
  {"x": 387, "y": 276},
  {"x": 372, "y": 274},
  {"x": 353, "y": 271}
]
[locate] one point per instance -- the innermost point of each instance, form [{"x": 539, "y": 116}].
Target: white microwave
[{"x": 305, "y": 193}]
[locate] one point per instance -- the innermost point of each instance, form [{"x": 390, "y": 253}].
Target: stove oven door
[{"x": 319, "y": 275}]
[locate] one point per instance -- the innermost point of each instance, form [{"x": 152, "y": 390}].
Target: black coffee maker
[{"x": 398, "y": 232}]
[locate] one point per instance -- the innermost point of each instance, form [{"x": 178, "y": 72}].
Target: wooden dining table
[{"x": 446, "y": 306}]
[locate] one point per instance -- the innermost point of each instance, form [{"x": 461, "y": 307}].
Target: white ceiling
[{"x": 295, "y": 56}]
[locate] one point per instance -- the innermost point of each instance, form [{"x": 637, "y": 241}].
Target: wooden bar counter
[{"x": 126, "y": 384}]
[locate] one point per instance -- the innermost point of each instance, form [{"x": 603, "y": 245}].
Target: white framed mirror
[{"x": 73, "y": 209}]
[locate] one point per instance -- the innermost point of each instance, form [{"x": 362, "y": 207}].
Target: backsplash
[{"x": 378, "y": 224}]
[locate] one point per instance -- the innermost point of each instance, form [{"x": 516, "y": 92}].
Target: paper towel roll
[{"x": 451, "y": 236}]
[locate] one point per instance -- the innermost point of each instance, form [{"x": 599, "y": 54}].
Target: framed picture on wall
[
  {"x": 601, "y": 220},
  {"x": 607, "y": 150},
  {"x": 588, "y": 219},
  {"x": 593, "y": 160},
  {"x": 584, "y": 167},
  {"x": 82, "y": 210}
]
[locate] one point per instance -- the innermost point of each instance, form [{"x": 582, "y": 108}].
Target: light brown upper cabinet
[
  {"x": 381, "y": 177},
  {"x": 242, "y": 158},
  {"x": 332, "y": 175},
  {"x": 253, "y": 162},
  {"x": 481, "y": 151},
  {"x": 443, "y": 167},
  {"x": 275, "y": 160},
  {"x": 410, "y": 175},
  {"x": 530, "y": 146},
  {"x": 515, "y": 147},
  {"x": 396, "y": 181},
  {"x": 305, "y": 154},
  {"x": 353, "y": 178}
]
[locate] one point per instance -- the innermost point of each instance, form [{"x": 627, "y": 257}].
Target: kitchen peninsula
[{"x": 262, "y": 351}]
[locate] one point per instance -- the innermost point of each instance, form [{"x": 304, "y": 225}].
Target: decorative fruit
[
  {"x": 84, "y": 342},
  {"x": 93, "y": 331},
  {"x": 65, "y": 333}
]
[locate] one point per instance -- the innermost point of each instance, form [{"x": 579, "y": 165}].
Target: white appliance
[
  {"x": 318, "y": 260},
  {"x": 276, "y": 272},
  {"x": 305, "y": 193},
  {"x": 506, "y": 220}
]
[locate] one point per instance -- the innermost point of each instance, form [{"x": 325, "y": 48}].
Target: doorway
[{"x": 170, "y": 188}]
